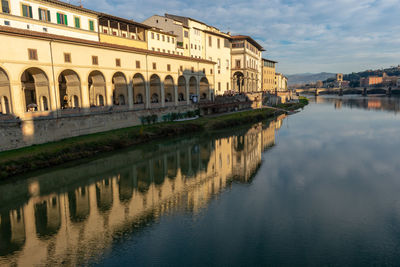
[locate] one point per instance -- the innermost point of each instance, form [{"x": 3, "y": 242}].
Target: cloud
[{"x": 304, "y": 36}]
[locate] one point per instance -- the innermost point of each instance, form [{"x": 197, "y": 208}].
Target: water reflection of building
[{"x": 124, "y": 193}]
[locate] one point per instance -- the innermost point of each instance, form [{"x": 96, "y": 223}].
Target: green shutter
[
  {"x": 24, "y": 10},
  {"x": 65, "y": 20},
  {"x": 91, "y": 25},
  {"x": 48, "y": 15},
  {"x": 30, "y": 11},
  {"x": 40, "y": 14},
  {"x": 77, "y": 23},
  {"x": 58, "y": 18}
]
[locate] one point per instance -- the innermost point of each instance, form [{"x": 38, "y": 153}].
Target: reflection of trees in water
[
  {"x": 104, "y": 194},
  {"x": 79, "y": 204},
  {"x": 47, "y": 217},
  {"x": 12, "y": 231},
  {"x": 126, "y": 185}
]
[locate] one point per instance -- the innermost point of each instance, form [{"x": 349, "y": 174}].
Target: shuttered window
[
  {"x": 27, "y": 11},
  {"x": 44, "y": 14},
  {"x": 91, "y": 25},
  {"x": 77, "y": 22},
  {"x": 62, "y": 19},
  {"x": 5, "y": 6}
]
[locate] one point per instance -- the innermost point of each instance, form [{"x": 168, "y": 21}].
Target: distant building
[
  {"x": 389, "y": 80},
  {"x": 268, "y": 75},
  {"x": 280, "y": 82},
  {"x": 370, "y": 81}
]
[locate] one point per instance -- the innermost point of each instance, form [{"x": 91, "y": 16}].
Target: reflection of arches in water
[
  {"x": 104, "y": 194},
  {"x": 35, "y": 85},
  {"x": 97, "y": 88},
  {"x": 79, "y": 204},
  {"x": 184, "y": 162},
  {"x": 47, "y": 217},
  {"x": 143, "y": 177},
  {"x": 158, "y": 169},
  {"x": 181, "y": 88},
  {"x": 5, "y": 93},
  {"x": 205, "y": 154},
  {"x": 172, "y": 167},
  {"x": 126, "y": 186},
  {"x": 120, "y": 89},
  {"x": 12, "y": 231},
  {"x": 69, "y": 86},
  {"x": 239, "y": 142},
  {"x": 195, "y": 159}
]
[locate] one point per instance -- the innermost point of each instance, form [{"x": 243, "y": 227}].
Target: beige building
[
  {"x": 50, "y": 16},
  {"x": 161, "y": 41},
  {"x": 268, "y": 75},
  {"x": 281, "y": 82},
  {"x": 246, "y": 64}
]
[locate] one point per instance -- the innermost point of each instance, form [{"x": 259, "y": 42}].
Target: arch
[
  {"x": 79, "y": 204},
  {"x": 204, "y": 89},
  {"x": 35, "y": 85},
  {"x": 69, "y": 86},
  {"x": 120, "y": 89},
  {"x": 155, "y": 89},
  {"x": 97, "y": 88},
  {"x": 47, "y": 217},
  {"x": 182, "y": 89},
  {"x": 238, "y": 81},
  {"x": 12, "y": 231},
  {"x": 192, "y": 86},
  {"x": 169, "y": 90},
  {"x": 5, "y": 93},
  {"x": 139, "y": 89},
  {"x": 104, "y": 195},
  {"x": 126, "y": 185}
]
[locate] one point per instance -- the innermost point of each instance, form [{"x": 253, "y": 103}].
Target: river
[{"x": 320, "y": 187}]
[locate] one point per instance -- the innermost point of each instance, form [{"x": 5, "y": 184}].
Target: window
[
  {"x": 5, "y": 6},
  {"x": 211, "y": 71},
  {"x": 218, "y": 43},
  {"x": 137, "y": 64},
  {"x": 44, "y": 14},
  {"x": 163, "y": 50},
  {"x": 227, "y": 86},
  {"x": 181, "y": 68},
  {"x": 168, "y": 67},
  {"x": 192, "y": 69},
  {"x": 186, "y": 34},
  {"x": 227, "y": 64},
  {"x": 158, "y": 36},
  {"x": 62, "y": 19},
  {"x": 219, "y": 86},
  {"x": 95, "y": 60},
  {"x": 26, "y": 11},
  {"x": 238, "y": 63},
  {"x": 91, "y": 25},
  {"x": 7, "y": 22},
  {"x": 173, "y": 40},
  {"x": 153, "y": 49},
  {"x": 167, "y": 39},
  {"x": 191, "y": 46},
  {"x": 204, "y": 71},
  {"x": 219, "y": 63},
  {"x": 154, "y": 66},
  {"x": 152, "y": 35},
  {"x": 67, "y": 57},
  {"x": 32, "y": 53},
  {"x": 118, "y": 62},
  {"x": 210, "y": 41},
  {"x": 44, "y": 29},
  {"x": 163, "y": 38},
  {"x": 77, "y": 22},
  {"x": 105, "y": 31}
]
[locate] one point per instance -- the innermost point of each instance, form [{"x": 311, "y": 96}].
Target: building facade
[
  {"x": 268, "y": 75},
  {"x": 246, "y": 64},
  {"x": 281, "y": 82},
  {"x": 50, "y": 16}
]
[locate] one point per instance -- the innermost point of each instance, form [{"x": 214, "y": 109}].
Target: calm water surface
[{"x": 319, "y": 188}]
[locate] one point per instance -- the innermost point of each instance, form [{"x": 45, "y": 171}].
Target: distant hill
[{"x": 304, "y": 78}]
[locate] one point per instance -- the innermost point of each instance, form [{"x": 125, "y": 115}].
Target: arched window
[
  {"x": 139, "y": 99},
  {"x": 181, "y": 97},
  {"x": 154, "y": 98}
]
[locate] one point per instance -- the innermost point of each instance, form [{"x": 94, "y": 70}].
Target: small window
[
  {"x": 118, "y": 62},
  {"x": 5, "y": 6},
  {"x": 181, "y": 68},
  {"x": 173, "y": 40},
  {"x": 192, "y": 69},
  {"x": 218, "y": 43},
  {"x": 124, "y": 35},
  {"x": 167, "y": 39},
  {"x": 163, "y": 38},
  {"x": 77, "y": 22},
  {"x": 32, "y": 53},
  {"x": 67, "y": 57},
  {"x": 91, "y": 25},
  {"x": 154, "y": 66},
  {"x": 153, "y": 49},
  {"x": 211, "y": 71},
  {"x": 95, "y": 60},
  {"x": 204, "y": 71},
  {"x": 168, "y": 67},
  {"x": 44, "y": 29},
  {"x": 105, "y": 31},
  {"x": 7, "y": 22},
  {"x": 210, "y": 41},
  {"x": 152, "y": 35},
  {"x": 219, "y": 86},
  {"x": 62, "y": 19},
  {"x": 137, "y": 64},
  {"x": 158, "y": 36},
  {"x": 186, "y": 34},
  {"x": 26, "y": 11},
  {"x": 163, "y": 50}
]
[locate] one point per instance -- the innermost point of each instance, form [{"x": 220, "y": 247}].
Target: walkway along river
[{"x": 321, "y": 190}]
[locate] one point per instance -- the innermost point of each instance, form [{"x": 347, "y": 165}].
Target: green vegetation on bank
[
  {"x": 37, "y": 157},
  {"x": 303, "y": 101}
]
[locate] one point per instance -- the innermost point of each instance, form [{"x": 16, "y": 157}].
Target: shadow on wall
[{"x": 75, "y": 100}]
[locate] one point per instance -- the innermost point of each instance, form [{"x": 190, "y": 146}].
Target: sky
[{"x": 303, "y": 36}]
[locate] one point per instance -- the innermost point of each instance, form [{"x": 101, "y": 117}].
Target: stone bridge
[{"x": 364, "y": 91}]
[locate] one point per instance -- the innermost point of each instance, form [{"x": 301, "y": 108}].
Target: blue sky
[{"x": 304, "y": 36}]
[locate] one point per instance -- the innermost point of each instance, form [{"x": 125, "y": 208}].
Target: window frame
[
  {"x": 29, "y": 10},
  {"x": 67, "y": 56},
  {"x": 9, "y": 7},
  {"x": 95, "y": 60},
  {"x": 47, "y": 14},
  {"x": 64, "y": 20},
  {"x": 33, "y": 54},
  {"x": 76, "y": 18},
  {"x": 118, "y": 62},
  {"x": 91, "y": 25}
]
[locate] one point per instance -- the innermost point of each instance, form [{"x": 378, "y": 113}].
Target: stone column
[
  {"x": 162, "y": 94},
  {"x": 85, "y": 99},
  {"x": 17, "y": 99},
  {"x": 109, "y": 94},
  {"x": 130, "y": 95},
  {"x": 176, "y": 94},
  {"x": 187, "y": 91},
  {"x": 147, "y": 97}
]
